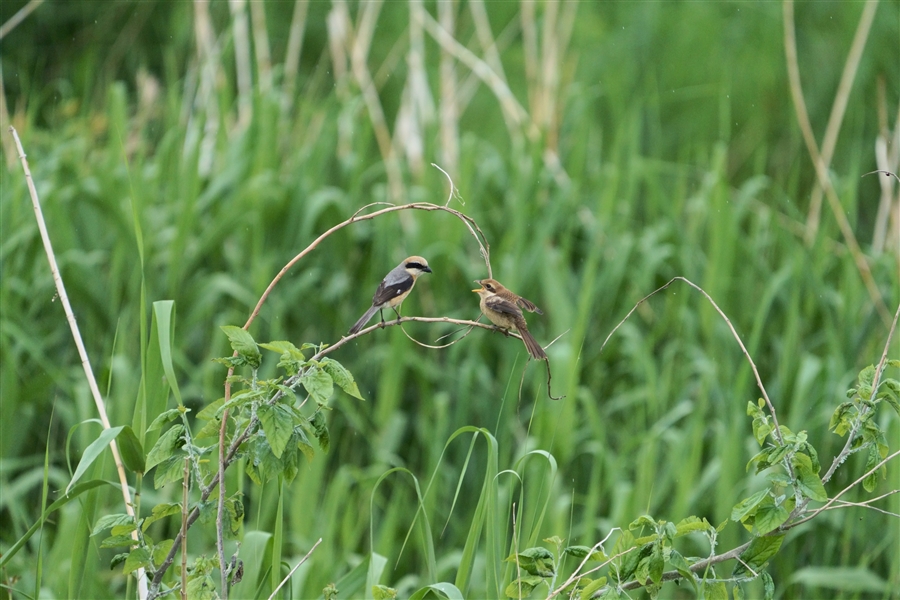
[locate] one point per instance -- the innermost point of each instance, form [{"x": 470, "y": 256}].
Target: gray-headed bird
[{"x": 394, "y": 289}]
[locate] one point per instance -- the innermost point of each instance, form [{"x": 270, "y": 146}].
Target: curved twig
[{"x": 776, "y": 431}]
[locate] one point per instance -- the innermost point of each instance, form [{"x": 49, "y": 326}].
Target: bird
[
  {"x": 504, "y": 309},
  {"x": 394, "y": 289}
]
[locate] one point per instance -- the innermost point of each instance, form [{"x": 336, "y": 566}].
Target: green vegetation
[{"x": 621, "y": 145}]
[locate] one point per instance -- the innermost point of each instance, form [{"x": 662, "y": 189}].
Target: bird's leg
[
  {"x": 397, "y": 312},
  {"x": 381, "y": 314}
]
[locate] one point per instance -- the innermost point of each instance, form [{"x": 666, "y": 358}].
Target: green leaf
[
  {"x": 683, "y": 567},
  {"x": 160, "y": 551},
  {"x": 210, "y": 411},
  {"x": 592, "y": 587},
  {"x": 118, "y": 541},
  {"x": 536, "y": 561},
  {"x": 131, "y": 450},
  {"x": 169, "y": 415},
  {"x": 761, "y": 426},
  {"x": 582, "y": 551},
  {"x": 657, "y": 564},
  {"x": 643, "y": 521},
  {"x": 748, "y": 506},
  {"x": 768, "y": 586},
  {"x": 889, "y": 391},
  {"x": 169, "y": 470},
  {"x": 321, "y": 430},
  {"x": 871, "y": 481},
  {"x": 318, "y": 384},
  {"x": 866, "y": 380},
  {"x": 440, "y": 589},
  {"x": 278, "y": 424},
  {"x": 383, "y": 592},
  {"x": 761, "y": 549},
  {"x": 341, "y": 377},
  {"x": 165, "y": 446},
  {"x": 161, "y": 511},
  {"x": 92, "y": 452},
  {"x": 526, "y": 584},
  {"x": 715, "y": 590},
  {"x": 109, "y": 521},
  {"x": 243, "y": 343},
  {"x": 769, "y": 517},
  {"x": 809, "y": 482},
  {"x": 137, "y": 558}
]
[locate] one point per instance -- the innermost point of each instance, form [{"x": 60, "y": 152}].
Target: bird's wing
[
  {"x": 502, "y": 305},
  {"x": 529, "y": 306},
  {"x": 388, "y": 291}
]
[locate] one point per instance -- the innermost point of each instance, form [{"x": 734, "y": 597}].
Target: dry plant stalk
[
  {"x": 79, "y": 344},
  {"x": 821, "y": 159}
]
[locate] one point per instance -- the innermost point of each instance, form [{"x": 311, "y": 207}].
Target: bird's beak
[
  {"x": 481, "y": 289},
  {"x": 427, "y": 270}
]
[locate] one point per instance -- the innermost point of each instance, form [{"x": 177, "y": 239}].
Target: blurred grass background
[{"x": 617, "y": 145}]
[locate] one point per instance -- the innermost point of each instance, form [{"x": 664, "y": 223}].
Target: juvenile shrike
[
  {"x": 394, "y": 289},
  {"x": 504, "y": 309}
]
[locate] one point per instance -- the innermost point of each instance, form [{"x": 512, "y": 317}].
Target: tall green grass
[{"x": 680, "y": 156}]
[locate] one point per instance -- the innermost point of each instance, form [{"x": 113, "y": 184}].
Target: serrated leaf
[
  {"x": 161, "y": 511},
  {"x": 109, "y": 521},
  {"x": 165, "y": 417},
  {"x": 278, "y": 424},
  {"x": 118, "y": 541},
  {"x": 321, "y": 430},
  {"x": 768, "y": 586},
  {"x": 341, "y": 377},
  {"x": 318, "y": 384},
  {"x": 169, "y": 470},
  {"x": 244, "y": 344},
  {"x": 383, "y": 592},
  {"x": 582, "y": 551},
  {"x": 871, "y": 481},
  {"x": 591, "y": 587},
  {"x": 131, "y": 450},
  {"x": 768, "y": 517},
  {"x": 642, "y": 521},
  {"x": 210, "y": 410},
  {"x": 656, "y": 564},
  {"x": 760, "y": 550},
  {"x": 748, "y": 506},
  {"x": 715, "y": 590},
  {"x": 137, "y": 558},
  {"x": 124, "y": 528},
  {"x": 683, "y": 567},
  {"x": 165, "y": 446},
  {"x": 810, "y": 483},
  {"x": 161, "y": 550},
  {"x": 526, "y": 584}
]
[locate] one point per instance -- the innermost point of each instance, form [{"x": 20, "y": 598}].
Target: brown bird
[{"x": 504, "y": 309}]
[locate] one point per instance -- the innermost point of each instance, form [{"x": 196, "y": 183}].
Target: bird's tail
[
  {"x": 534, "y": 349},
  {"x": 363, "y": 320}
]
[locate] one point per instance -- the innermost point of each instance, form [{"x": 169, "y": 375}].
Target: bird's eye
[{"x": 489, "y": 287}]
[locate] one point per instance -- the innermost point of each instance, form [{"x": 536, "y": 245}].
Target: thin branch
[
  {"x": 297, "y": 566},
  {"x": 185, "y": 486},
  {"x": 845, "y": 490},
  {"x": 820, "y": 162},
  {"x": 776, "y": 432},
  {"x": 79, "y": 344},
  {"x": 426, "y": 206},
  {"x": 17, "y": 18},
  {"x": 220, "y": 506},
  {"x": 845, "y": 451}
]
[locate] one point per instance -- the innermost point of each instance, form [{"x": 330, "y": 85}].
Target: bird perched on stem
[
  {"x": 504, "y": 309},
  {"x": 394, "y": 289}
]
